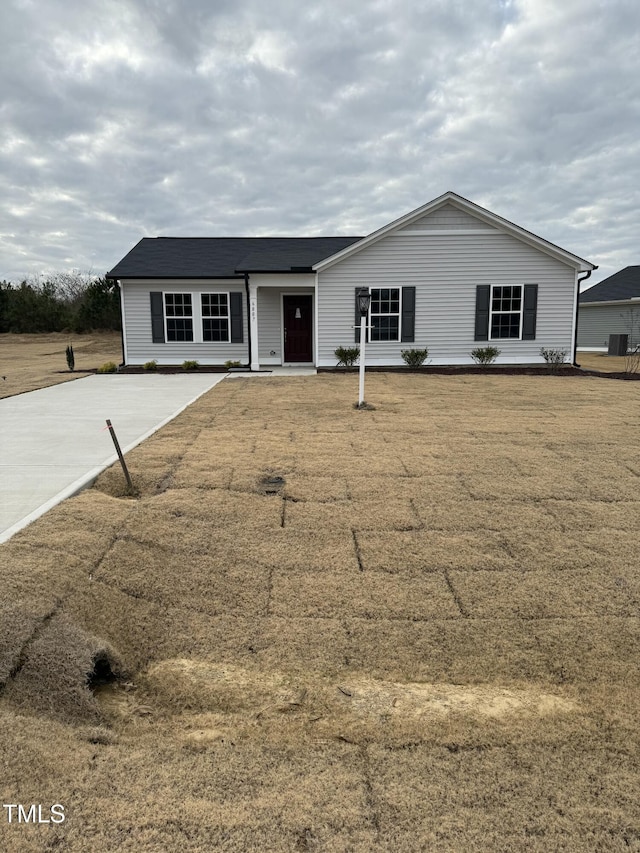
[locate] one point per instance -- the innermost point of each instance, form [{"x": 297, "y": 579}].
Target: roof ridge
[{"x": 282, "y": 237}]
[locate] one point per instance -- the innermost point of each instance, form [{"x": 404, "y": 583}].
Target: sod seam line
[
  {"x": 456, "y": 596},
  {"x": 370, "y": 797},
  {"x": 23, "y": 656},
  {"x": 357, "y": 549}
]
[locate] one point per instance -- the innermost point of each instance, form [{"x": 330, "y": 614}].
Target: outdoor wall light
[{"x": 364, "y": 300}]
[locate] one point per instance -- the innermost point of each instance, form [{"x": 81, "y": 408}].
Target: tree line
[{"x": 63, "y": 302}]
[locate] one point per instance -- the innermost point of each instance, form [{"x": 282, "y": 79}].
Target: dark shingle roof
[
  {"x": 209, "y": 257},
  {"x": 621, "y": 285}
]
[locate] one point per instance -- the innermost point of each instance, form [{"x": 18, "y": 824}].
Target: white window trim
[
  {"x": 397, "y": 314},
  {"x": 166, "y": 317},
  {"x": 203, "y": 318},
  {"x": 196, "y": 316},
  {"x": 492, "y": 312}
]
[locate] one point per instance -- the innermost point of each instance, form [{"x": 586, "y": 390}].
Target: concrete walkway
[{"x": 53, "y": 442}]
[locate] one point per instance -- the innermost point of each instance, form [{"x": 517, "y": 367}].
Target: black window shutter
[
  {"x": 235, "y": 307},
  {"x": 157, "y": 317},
  {"x": 408, "y": 332},
  {"x": 530, "y": 311},
  {"x": 483, "y": 294}
]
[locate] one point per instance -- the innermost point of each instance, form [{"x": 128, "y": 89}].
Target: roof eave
[
  {"x": 628, "y": 301},
  {"x": 125, "y": 276},
  {"x": 283, "y": 271}
]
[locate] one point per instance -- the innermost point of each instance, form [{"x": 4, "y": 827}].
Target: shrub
[
  {"x": 231, "y": 363},
  {"x": 108, "y": 367},
  {"x": 553, "y": 357},
  {"x": 190, "y": 365},
  {"x": 414, "y": 357},
  {"x": 347, "y": 356},
  {"x": 485, "y": 355},
  {"x": 71, "y": 359},
  {"x": 632, "y": 360},
  {"x": 150, "y": 365}
]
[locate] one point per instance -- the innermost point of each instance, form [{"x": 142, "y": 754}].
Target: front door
[{"x": 298, "y": 328}]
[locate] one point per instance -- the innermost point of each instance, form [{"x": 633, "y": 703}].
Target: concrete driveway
[{"x": 53, "y": 442}]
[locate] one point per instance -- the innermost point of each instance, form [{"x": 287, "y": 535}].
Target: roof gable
[
  {"x": 446, "y": 217},
  {"x": 470, "y": 217},
  {"x": 622, "y": 285}
]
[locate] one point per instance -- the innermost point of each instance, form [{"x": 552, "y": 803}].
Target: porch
[{"x": 283, "y": 322}]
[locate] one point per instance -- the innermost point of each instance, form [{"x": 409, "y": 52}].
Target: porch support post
[{"x": 253, "y": 325}]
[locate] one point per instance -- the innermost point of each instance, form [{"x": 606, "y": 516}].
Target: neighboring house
[
  {"x": 450, "y": 276},
  {"x": 611, "y": 307}
]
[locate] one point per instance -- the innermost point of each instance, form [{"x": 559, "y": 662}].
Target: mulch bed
[{"x": 450, "y": 370}]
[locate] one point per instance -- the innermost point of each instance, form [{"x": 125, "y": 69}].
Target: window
[
  {"x": 384, "y": 314},
  {"x": 215, "y": 316},
  {"x": 178, "y": 313},
  {"x": 506, "y": 312},
  {"x": 196, "y": 317}
]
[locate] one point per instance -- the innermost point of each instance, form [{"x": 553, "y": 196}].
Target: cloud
[{"x": 190, "y": 117}]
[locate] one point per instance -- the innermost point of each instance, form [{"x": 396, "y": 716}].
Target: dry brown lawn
[
  {"x": 424, "y": 636},
  {"x": 28, "y": 362},
  {"x": 601, "y": 361}
]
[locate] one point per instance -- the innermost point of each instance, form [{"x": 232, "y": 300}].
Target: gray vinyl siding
[
  {"x": 445, "y": 270},
  {"x": 447, "y": 217},
  {"x": 597, "y": 322},
  {"x": 269, "y": 322},
  {"x": 139, "y": 345}
]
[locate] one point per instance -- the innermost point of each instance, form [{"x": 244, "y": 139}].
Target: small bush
[
  {"x": 554, "y": 357},
  {"x": 414, "y": 357},
  {"x": 190, "y": 365},
  {"x": 347, "y": 356},
  {"x": 632, "y": 360},
  {"x": 71, "y": 359},
  {"x": 150, "y": 365},
  {"x": 231, "y": 363},
  {"x": 108, "y": 367},
  {"x": 485, "y": 355}
]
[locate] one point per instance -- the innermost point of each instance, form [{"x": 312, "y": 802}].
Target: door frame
[{"x": 312, "y": 327}]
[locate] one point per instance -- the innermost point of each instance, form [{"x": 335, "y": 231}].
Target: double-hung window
[
  {"x": 506, "y": 312},
  {"x": 384, "y": 314},
  {"x": 215, "y": 316},
  {"x": 197, "y": 317},
  {"x": 178, "y": 312}
]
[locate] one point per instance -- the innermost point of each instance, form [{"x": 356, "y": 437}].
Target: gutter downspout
[
  {"x": 119, "y": 286},
  {"x": 575, "y": 334},
  {"x": 246, "y": 287}
]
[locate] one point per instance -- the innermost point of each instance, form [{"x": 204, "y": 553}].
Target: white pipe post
[
  {"x": 363, "y": 338},
  {"x": 253, "y": 309}
]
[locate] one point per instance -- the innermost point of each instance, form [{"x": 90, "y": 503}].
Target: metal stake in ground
[{"x": 120, "y": 456}]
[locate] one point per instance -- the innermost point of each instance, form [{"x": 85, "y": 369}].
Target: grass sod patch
[
  {"x": 548, "y": 594},
  {"x": 84, "y": 527},
  {"x": 504, "y": 798},
  {"x": 418, "y": 551},
  {"x": 210, "y": 583},
  {"x": 365, "y": 595},
  {"x": 382, "y": 654}
]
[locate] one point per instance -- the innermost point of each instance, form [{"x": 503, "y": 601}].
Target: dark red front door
[{"x": 298, "y": 328}]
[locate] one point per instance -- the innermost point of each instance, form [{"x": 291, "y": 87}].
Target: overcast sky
[{"x": 129, "y": 118}]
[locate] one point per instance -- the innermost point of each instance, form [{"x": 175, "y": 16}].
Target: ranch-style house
[{"x": 450, "y": 276}]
